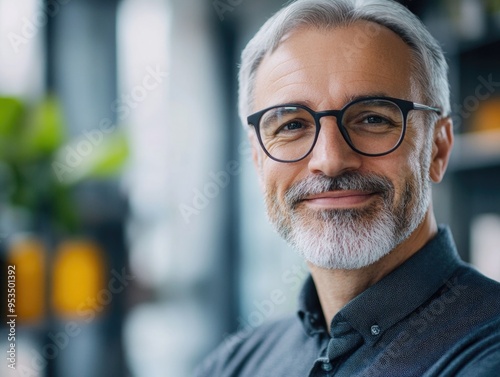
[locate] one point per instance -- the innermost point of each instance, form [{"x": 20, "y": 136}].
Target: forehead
[{"x": 326, "y": 67}]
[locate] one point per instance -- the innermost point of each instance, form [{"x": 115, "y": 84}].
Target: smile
[{"x": 340, "y": 199}]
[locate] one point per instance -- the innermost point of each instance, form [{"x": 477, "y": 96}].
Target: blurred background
[{"x": 128, "y": 202}]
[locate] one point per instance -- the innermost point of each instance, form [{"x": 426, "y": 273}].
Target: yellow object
[
  {"x": 78, "y": 277},
  {"x": 487, "y": 116},
  {"x": 27, "y": 254}
]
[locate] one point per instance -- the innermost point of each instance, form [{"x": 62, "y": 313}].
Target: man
[{"x": 347, "y": 103}]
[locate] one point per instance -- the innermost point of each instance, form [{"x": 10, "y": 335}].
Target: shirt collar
[
  {"x": 393, "y": 297},
  {"x": 310, "y": 312}
]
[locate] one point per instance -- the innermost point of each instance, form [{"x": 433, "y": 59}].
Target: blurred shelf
[
  {"x": 475, "y": 151},
  {"x": 489, "y": 41}
]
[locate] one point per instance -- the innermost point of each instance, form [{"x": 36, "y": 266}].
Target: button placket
[
  {"x": 327, "y": 366},
  {"x": 323, "y": 367}
]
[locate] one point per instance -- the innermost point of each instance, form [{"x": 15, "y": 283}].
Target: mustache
[{"x": 318, "y": 184}]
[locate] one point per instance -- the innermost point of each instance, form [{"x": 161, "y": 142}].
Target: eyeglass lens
[{"x": 372, "y": 127}]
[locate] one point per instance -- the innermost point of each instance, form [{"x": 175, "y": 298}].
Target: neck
[{"x": 337, "y": 287}]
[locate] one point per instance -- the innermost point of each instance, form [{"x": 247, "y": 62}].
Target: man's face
[{"x": 338, "y": 208}]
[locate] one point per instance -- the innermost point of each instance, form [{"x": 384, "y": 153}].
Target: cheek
[
  {"x": 414, "y": 146},
  {"x": 409, "y": 157},
  {"x": 279, "y": 177},
  {"x": 400, "y": 167}
]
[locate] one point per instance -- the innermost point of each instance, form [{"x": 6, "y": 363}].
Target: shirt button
[
  {"x": 375, "y": 330},
  {"x": 327, "y": 367}
]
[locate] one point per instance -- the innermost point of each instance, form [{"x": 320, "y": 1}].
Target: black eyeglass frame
[{"x": 404, "y": 106}]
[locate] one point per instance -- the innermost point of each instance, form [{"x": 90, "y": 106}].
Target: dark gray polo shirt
[{"x": 432, "y": 316}]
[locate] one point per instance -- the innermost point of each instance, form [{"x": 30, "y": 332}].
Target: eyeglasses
[{"x": 373, "y": 126}]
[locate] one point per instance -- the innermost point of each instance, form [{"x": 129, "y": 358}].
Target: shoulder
[
  {"x": 476, "y": 314},
  {"x": 243, "y": 348},
  {"x": 472, "y": 300},
  {"x": 475, "y": 285},
  {"x": 478, "y": 354}
]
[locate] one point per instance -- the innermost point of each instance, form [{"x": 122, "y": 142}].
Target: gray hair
[{"x": 429, "y": 67}]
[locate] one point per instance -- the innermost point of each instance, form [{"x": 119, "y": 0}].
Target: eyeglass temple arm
[{"x": 418, "y": 106}]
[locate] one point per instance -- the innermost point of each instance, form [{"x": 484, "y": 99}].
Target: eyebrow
[
  {"x": 346, "y": 98},
  {"x": 364, "y": 96}
]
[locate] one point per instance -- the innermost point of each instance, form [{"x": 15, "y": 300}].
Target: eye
[
  {"x": 375, "y": 119},
  {"x": 291, "y": 126},
  {"x": 295, "y": 127}
]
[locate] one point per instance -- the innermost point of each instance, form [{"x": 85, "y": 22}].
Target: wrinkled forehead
[{"x": 362, "y": 55}]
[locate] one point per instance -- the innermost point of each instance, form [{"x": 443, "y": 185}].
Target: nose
[{"x": 332, "y": 155}]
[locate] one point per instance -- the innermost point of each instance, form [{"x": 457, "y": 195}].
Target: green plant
[{"x": 31, "y": 139}]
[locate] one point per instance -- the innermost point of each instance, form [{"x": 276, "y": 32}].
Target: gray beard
[{"x": 348, "y": 239}]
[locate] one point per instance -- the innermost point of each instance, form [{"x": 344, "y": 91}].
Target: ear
[
  {"x": 441, "y": 148},
  {"x": 256, "y": 155}
]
